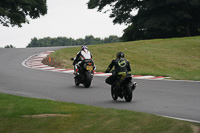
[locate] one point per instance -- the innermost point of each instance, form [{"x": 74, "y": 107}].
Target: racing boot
[
  {"x": 76, "y": 71},
  {"x": 133, "y": 86}
]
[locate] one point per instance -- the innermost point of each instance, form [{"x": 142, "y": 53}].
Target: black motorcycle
[
  {"x": 85, "y": 73},
  {"x": 123, "y": 87}
]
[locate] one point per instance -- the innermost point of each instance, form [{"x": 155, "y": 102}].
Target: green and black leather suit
[{"x": 120, "y": 65}]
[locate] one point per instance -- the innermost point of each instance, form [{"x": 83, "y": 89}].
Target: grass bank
[
  {"x": 21, "y": 114},
  {"x": 178, "y": 58}
]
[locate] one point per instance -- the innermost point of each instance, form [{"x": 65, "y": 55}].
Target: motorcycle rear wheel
[
  {"x": 87, "y": 80},
  {"x": 128, "y": 93},
  {"x": 113, "y": 93}
]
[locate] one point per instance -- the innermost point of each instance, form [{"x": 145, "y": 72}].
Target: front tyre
[
  {"x": 88, "y": 79},
  {"x": 113, "y": 93}
]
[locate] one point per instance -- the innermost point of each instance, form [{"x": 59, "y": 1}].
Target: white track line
[
  {"x": 35, "y": 62},
  {"x": 182, "y": 119}
]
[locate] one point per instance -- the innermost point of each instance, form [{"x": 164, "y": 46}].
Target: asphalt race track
[{"x": 179, "y": 99}]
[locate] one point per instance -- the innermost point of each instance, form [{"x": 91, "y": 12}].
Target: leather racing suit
[
  {"x": 121, "y": 65},
  {"x": 81, "y": 55}
]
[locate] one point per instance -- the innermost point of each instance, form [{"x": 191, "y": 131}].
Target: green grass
[
  {"x": 178, "y": 58},
  {"x": 81, "y": 119}
]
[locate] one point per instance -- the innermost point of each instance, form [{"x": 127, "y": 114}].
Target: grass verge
[
  {"x": 178, "y": 58},
  {"x": 17, "y": 114}
]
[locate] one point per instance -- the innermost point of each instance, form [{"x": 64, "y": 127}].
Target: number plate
[{"x": 90, "y": 68}]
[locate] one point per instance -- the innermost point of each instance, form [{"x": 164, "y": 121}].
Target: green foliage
[
  {"x": 15, "y": 12},
  {"x": 121, "y": 9},
  {"x": 155, "y": 18},
  {"x": 9, "y": 46},
  {"x": 63, "y": 41}
]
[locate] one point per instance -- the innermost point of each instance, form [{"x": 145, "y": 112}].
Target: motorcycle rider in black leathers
[{"x": 121, "y": 65}]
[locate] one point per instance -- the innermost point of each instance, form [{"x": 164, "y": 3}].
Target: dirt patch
[
  {"x": 52, "y": 62},
  {"x": 195, "y": 128},
  {"x": 45, "y": 115}
]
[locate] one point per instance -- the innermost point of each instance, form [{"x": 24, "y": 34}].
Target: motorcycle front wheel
[{"x": 113, "y": 93}]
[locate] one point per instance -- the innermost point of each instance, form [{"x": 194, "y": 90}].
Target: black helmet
[{"x": 120, "y": 55}]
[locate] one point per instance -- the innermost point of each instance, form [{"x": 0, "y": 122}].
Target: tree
[
  {"x": 155, "y": 18},
  {"x": 112, "y": 39},
  {"x": 88, "y": 40},
  {"x": 9, "y": 46},
  {"x": 64, "y": 41},
  {"x": 15, "y": 12},
  {"x": 33, "y": 42}
]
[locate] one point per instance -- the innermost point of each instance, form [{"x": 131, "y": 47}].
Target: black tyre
[
  {"x": 113, "y": 93},
  {"x": 128, "y": 93},
  {"x": 88, "y": 79},
  {"x": 76, "y": 81}
]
